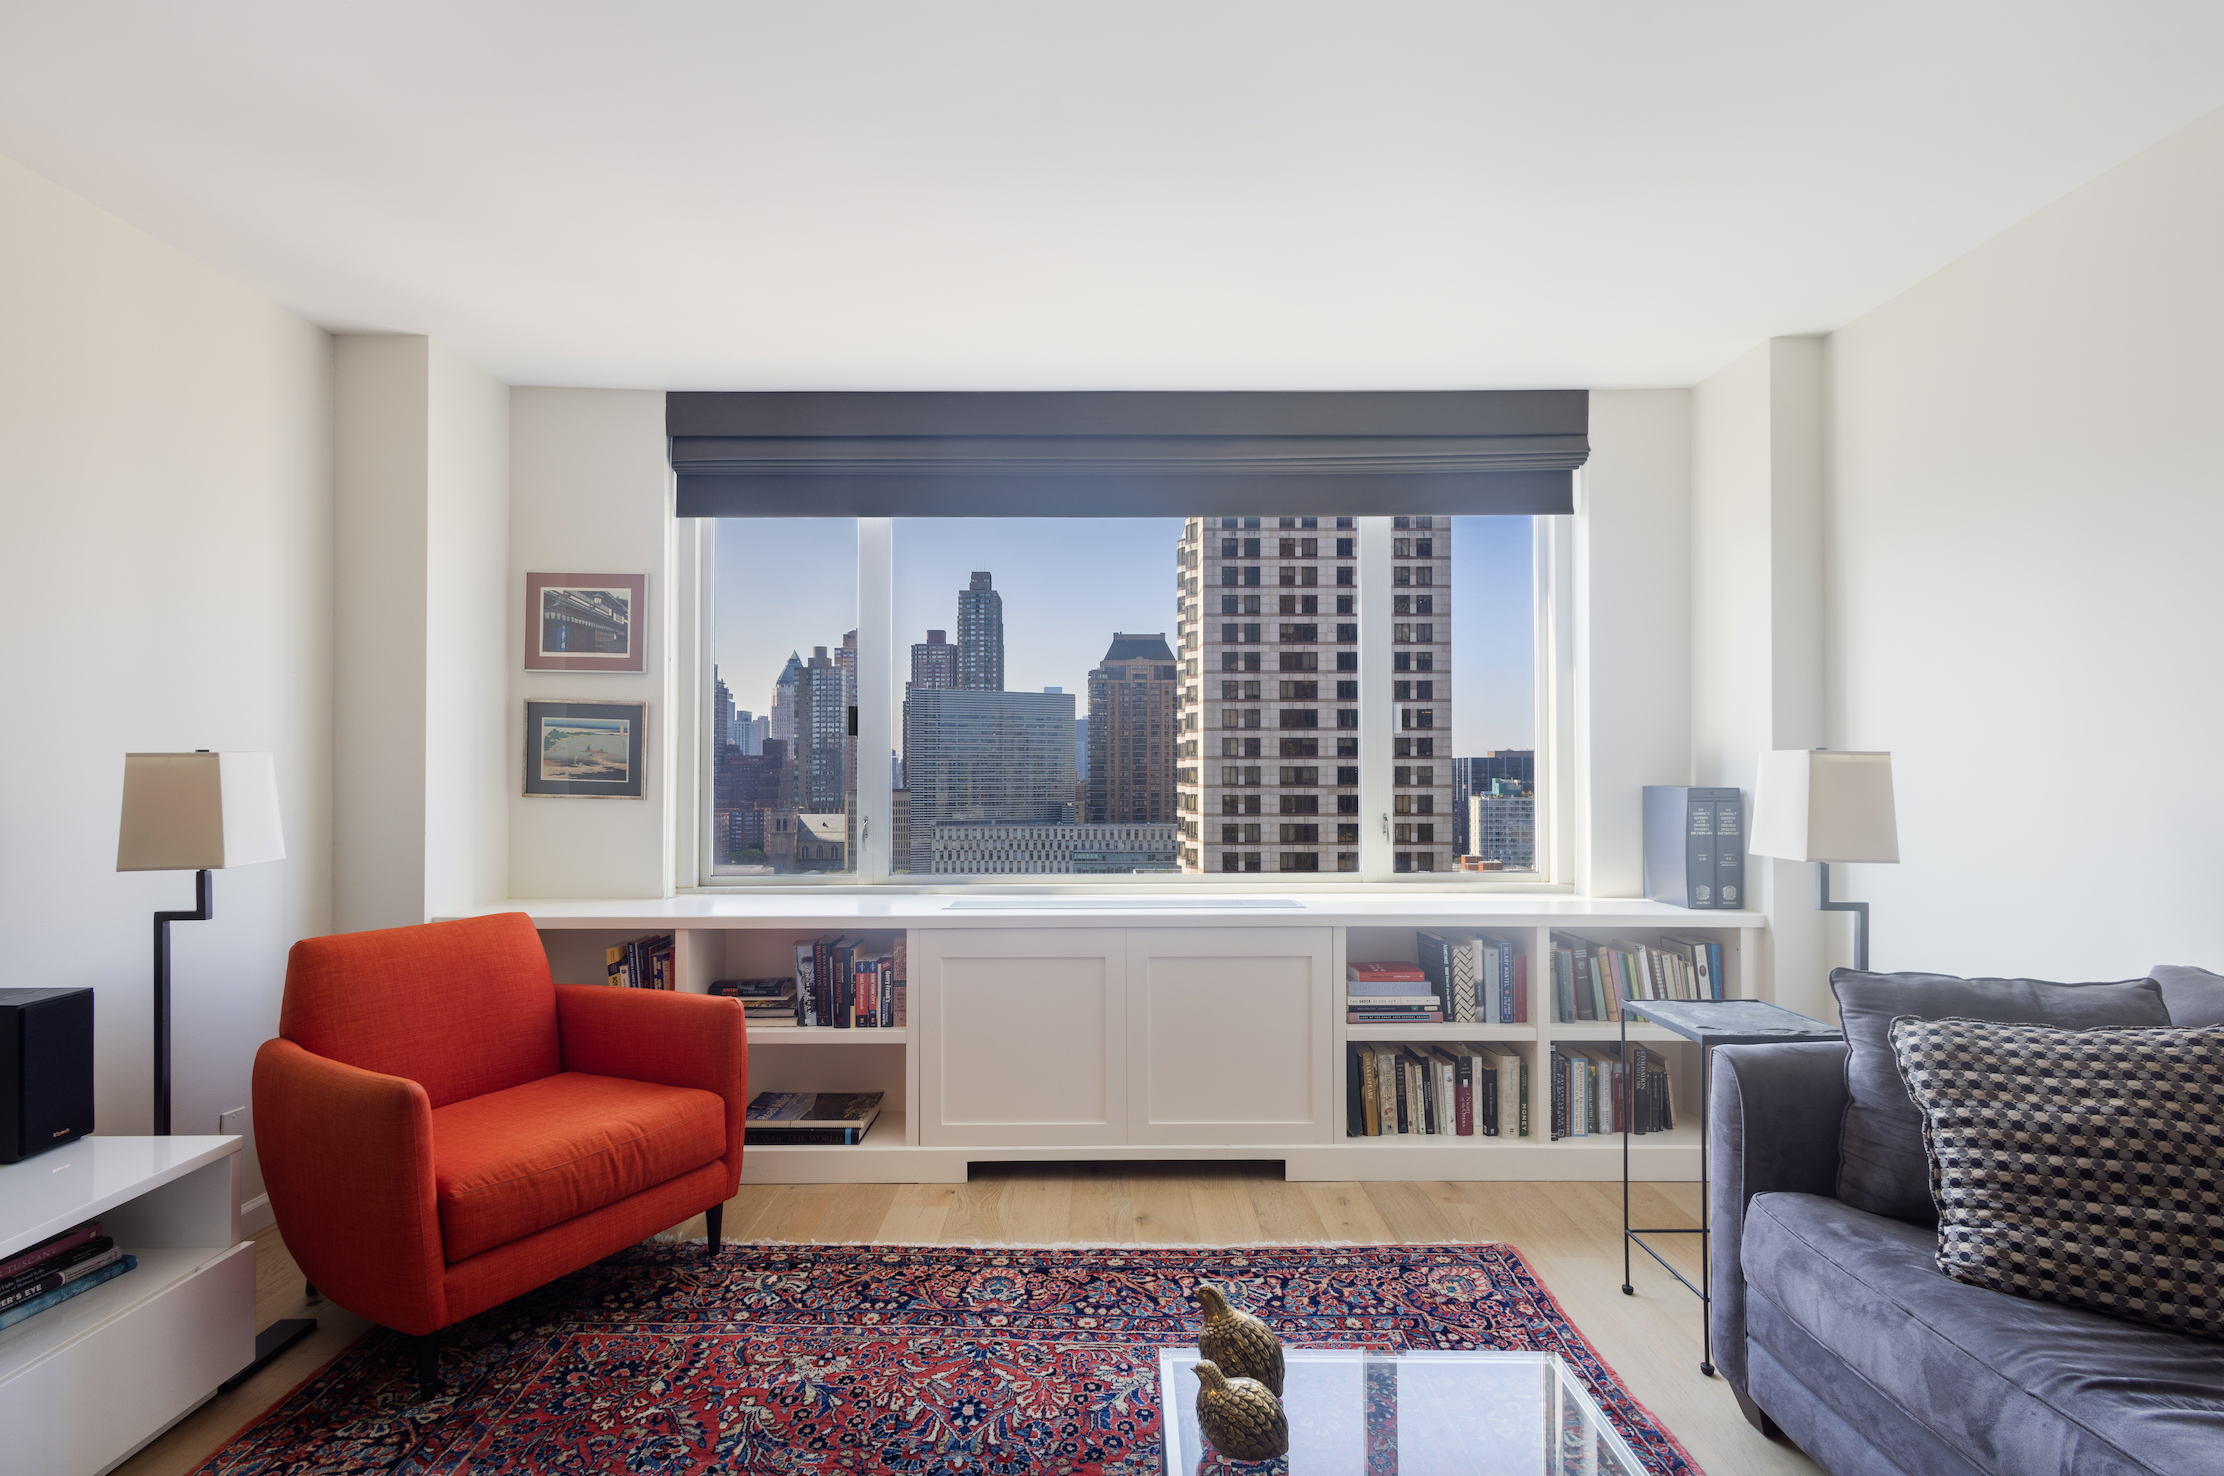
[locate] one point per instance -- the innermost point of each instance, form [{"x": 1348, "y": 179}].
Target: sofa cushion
[
  {"x": 2194, "y": 996},
  {"x": 1881, "y": 1165},
  {"x": 512, "y": 1162},
  {"x": 2078, "y": 1166},
  {"x": 2011, "y": 1385}
]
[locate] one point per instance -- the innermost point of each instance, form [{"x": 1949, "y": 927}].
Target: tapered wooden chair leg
[{"x": 714, "y": 1219}]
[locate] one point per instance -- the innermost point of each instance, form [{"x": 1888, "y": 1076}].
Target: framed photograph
[
  {"x": 587, "y": 750},
  {"x": 586, "y": 622}
]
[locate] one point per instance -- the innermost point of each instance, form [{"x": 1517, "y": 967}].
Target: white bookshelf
[
  {"x": 1172, "y": 1028},
  {"x": 85, "y": 1384}
]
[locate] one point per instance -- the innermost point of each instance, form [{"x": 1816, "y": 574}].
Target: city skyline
[{"x": 791, "y": 584}]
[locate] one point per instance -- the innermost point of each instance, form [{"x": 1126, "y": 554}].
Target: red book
[
  {"x": 49, "y": 1249},
  {"x": 1395, "y": 969}
]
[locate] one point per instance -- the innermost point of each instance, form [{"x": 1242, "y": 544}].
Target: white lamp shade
[
  {"x": 199, "y": 812},
  {"x": 1823, "y": 805}
]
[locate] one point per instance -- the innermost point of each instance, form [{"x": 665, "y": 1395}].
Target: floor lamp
[
  {"x": 1825, "y": 805},
  {"x": 199, "y": 812}
]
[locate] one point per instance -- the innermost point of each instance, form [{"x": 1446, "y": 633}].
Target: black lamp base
[
  {"x": 1860, "y": 911},
  {"x": 269, "y": 1343}
]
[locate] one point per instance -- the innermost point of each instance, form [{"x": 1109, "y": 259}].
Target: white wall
[
  {"x": 591, "y": 494},
  {"x": 422, "y": 490},
  {"x": 1756, "y": 619},
  {"x": 165, "y": 481},
  {"x": 2025, "y": 509},
  {"x": 1633, "y": 641}
]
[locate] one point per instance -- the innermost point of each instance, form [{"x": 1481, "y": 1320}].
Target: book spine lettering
[{"x": 1463, "y": 1100}]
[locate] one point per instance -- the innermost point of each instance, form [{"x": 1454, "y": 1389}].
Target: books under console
[
  {"x": 809, "y": 1119},
  {"x": 1590, "y": 979},
  {"x": 58, "y": 1268},
  {"x": 1435, "y": 1089}
]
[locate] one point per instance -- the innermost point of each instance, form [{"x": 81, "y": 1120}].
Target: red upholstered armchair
[{"x": 441, "y": 1128}]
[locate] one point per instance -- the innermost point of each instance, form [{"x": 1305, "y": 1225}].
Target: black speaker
[{"x": 46, "y": 1069}]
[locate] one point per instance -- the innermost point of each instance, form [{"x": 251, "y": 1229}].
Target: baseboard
[{"x": 255, "y": 1215}]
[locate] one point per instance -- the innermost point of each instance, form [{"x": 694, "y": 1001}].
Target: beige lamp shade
[
  {"x": 1820, "y": 804},
  {"x": 199, "y": 812}
]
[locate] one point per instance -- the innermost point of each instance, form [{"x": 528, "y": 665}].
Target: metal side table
[{"x": 1709, "y": 1023}]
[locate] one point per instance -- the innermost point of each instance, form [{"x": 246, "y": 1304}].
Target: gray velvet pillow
[
  {"x": 1881, "y": 1164},
  {"x": 2194, "y": 996}
]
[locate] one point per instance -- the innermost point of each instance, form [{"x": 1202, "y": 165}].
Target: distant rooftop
[{"x": 1127, "y": 647}]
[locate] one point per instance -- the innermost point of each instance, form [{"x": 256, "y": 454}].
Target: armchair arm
[
  {"x": 1772, "y": 1125},
  {"x": 346, "y": 1155},
  {"x": 685, "y": 1040}
]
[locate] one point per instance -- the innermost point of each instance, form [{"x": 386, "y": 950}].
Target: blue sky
[{"x": 788, "y": 584}]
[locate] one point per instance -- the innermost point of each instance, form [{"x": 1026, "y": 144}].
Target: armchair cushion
[
  {"x": 461, "y": 1008},
  {"x": 515, "y": 1161}
]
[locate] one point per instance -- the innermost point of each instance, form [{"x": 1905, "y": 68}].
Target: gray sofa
[{"x": 1836, "y": 1325}]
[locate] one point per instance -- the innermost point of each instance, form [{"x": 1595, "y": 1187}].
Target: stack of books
[
  {"x": 56, "y": 1269},
  {"x": 645, "y": 963},
  {"x": 1464, "y": 1091},
  {"x": 766, "y": 1003},
  {"x": 1391, "y": 993},
  {"x": 809, "y": 1118}
]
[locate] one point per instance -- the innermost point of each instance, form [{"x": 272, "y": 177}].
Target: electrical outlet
[{"x": 234, "y": 1121}]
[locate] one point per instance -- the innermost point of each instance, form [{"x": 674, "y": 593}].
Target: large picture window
[{"x": 1159, "y": 698}]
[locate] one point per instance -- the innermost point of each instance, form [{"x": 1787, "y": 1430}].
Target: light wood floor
[{"x": 1570, "y": 1234}]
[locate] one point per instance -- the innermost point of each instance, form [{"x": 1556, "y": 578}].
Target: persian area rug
[{"x": 873, "y": 1359}]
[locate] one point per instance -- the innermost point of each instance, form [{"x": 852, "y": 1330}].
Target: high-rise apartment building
[
  {"x": 822, "y": 692},
  {"x": 1268, "y": 770},
  {"x": 980, "y": 636},
  {"x": 985, "y": 756},
  {"x": 1517, "y": 767},
  {"x": 721, "y": 712},
  {"x": 1134, "y": 714},
  {"x": 783, "y": 701},
  {"x": 934, "y": 662}
]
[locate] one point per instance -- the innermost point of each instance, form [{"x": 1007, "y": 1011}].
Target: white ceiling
[{"x": 1140, "y": 194}]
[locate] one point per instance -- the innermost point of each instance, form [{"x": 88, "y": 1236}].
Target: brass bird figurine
[
  {"x": 1242, "y": 1420},
  {"x": 1242, "y": 1346}
]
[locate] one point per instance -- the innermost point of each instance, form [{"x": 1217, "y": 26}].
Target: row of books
[
  {"x": 58, "y": 1268},
  {"x": 1595, "y": 1092},
  {"x": 644, "y": 963},
  {"x": 838, "y": 983},
  {"x": 809, "y": 1118},
  {"x": 1590, "y": 980},
  {"x": 1466, "y": 978},
  {"x": 1449, "y": 1090}
]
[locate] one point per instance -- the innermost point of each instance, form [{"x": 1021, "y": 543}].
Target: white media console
[
  {"x": 1146, "y": 1026},
  {"x": 85, "y": 1384}
]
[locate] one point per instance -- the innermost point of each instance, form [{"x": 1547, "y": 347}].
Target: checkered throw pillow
[{"x": 2079, "y": 1166}]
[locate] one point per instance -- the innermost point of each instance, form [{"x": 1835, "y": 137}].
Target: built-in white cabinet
[
  {"x": 1229, "y": 1035},
  {"x": 1023, "y": 1036},
  {"x": 1176, "y": 1028}
]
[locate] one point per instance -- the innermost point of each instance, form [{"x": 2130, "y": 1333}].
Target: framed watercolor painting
[
  {"x": 586, "y": 622},
  {"x": 585, "y": 750}
]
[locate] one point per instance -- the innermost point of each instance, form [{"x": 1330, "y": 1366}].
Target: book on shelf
[
  {"x": 1394, "y": 1016},
  {"x": 1694, "y": 846},
  {"x": 49, "y": 1249},
  {"x": 809, "y": 1118},
  {"x": 642, "y": 963},
  {"x": 1395, "y": 977},
  {"x": 848, "y": 985},
  {"x": 58, "y": 1268}
]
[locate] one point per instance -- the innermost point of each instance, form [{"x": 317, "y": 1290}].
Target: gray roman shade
[{"x": 1140, "y": 454}]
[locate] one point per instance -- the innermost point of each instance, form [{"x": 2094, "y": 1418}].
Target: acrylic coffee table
[{"x": 1422, "y": 1414}]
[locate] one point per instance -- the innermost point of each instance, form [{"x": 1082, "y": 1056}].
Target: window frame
[{"x": 1552, "y": 544}]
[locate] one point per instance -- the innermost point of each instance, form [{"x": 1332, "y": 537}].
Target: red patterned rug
[{"x": 872, "y": 1359}]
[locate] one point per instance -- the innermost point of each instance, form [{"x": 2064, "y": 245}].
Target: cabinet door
[
  {"x": 1023, "y": 1036},
  {"x": 1229, "y": 1037}
]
